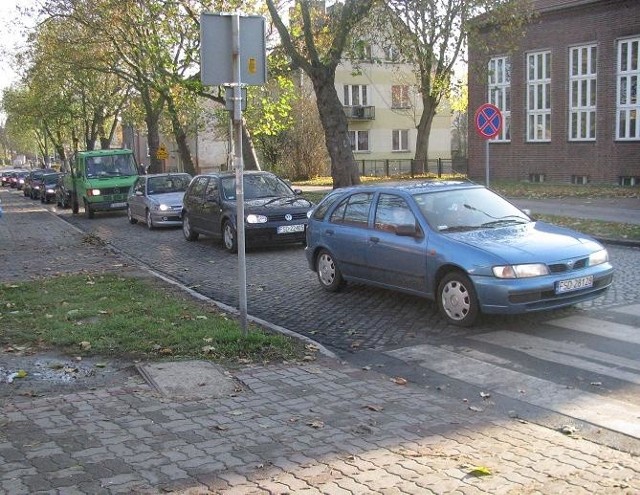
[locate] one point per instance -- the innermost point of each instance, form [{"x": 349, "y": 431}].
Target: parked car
[
  {"x": 5, "y": 177},
  {"x": 457, "y": 243},
  {"x": 156, "y": 199},
  {"x": 17, "y": 179},
  {"x": 48, "y": 186},
  {"x": 273, "y": 212},
  {"x": 33, "y": 182}
]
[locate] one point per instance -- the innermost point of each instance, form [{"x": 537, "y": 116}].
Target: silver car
[{"x": 156, "y": 199}]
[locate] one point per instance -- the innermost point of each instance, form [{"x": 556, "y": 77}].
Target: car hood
[
  {"x": 537, "y": 241},
  {"x": 172, "y": 198},
  {"x": 278, "y": 203}
]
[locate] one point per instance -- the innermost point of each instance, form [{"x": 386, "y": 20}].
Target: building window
[
  {"x": 580, "y": 179},
  {"x": 400, "y": 96},
  {"x": 359, "y": 140},
  {"x": 582, "y": 93},
  {"x": 355, "y": 95},
  {"x": 535, "y": 177},
  {"x": 391, "y": 54},
  {"x": 628, "y": 68},
  {"x": 499, "y": 85},
  {"x": 539, "y": 96},
  {"x": 400, "y": 140},
  {"x": 629, "y": 180}
]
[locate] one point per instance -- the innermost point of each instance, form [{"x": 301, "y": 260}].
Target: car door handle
[
  {"x": 329, "y": 232},
  {"x": 374, "y": 239}
]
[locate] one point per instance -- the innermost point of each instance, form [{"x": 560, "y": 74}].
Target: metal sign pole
[
  {"x": 237, "y": 125},
  {"x": 486, "y": 161}
]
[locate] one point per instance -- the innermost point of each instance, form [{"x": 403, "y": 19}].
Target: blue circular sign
[{"x": 488, "y": 120}]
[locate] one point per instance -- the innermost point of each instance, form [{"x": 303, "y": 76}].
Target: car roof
[
  {"x": 233, "y": 174},
  {"x": 413, "y": 186}
]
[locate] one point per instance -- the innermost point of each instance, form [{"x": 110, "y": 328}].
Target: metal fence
[{"x": 412, "y": 168}]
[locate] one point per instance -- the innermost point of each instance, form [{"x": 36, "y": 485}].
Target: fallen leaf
[
  {"x": 398, "y": 380},
  {"x": 201, "y": 317},
  {"x": 317, "y": 424},
  {"x": 208, "y": 349},
  {"x": 101, "y": 365},
  {"x": 373, "y": 407},
  {"x": 480, "y": 471},
  {"x": 485, "y": 395},
  {"x": 85, "y": 345},
  {"x": 475, "y": 409},
  {"x": 21, "y": 374}
]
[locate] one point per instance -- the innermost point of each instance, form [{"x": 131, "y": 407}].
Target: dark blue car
[{"x": 457, "y": 243}]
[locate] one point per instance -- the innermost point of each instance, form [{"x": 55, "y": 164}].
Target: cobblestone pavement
[{"x": 324, "y": 427}]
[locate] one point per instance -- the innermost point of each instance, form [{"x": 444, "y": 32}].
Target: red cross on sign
[{"x": 488, "y": 120}]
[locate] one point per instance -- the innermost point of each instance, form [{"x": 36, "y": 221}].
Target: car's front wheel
[
  {"x": 130, "y": 216},
  {"x": 329, "y": 274},
  {"x": 457, "y": 299},
  {"x": 229, "y": 239},
  {"x": 150, "y": 225},
  {"x": 187, "y": 231}
]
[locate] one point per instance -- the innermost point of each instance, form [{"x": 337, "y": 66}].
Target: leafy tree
[
  {"x": 315, "y": 42},
  {"x": 433, "y": 34}
]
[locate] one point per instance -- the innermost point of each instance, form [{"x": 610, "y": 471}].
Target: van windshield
[{"x": 110, "y": 166}]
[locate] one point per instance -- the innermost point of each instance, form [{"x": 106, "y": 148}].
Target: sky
[{"x": 10, "y": 36}]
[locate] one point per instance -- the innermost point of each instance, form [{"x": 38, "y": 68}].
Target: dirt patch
[{"x": 24, "y": 375}]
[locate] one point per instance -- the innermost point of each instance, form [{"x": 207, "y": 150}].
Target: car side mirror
[
  {"x": 212, "y": 199},
  {"x": 139, "y": 193},
  {"x": 297, "y": 192}
]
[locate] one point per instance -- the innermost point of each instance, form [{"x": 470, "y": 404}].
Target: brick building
[{"x": 568, "y": 95}]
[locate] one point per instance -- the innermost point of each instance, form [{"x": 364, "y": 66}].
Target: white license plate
[
  {"x": 118, "y": 205},
  {"x": 574, "y": 284},
  {"x": 288, "y": 229}
]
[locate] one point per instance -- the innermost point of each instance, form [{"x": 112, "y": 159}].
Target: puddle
[{"x": 35, "y": 375}]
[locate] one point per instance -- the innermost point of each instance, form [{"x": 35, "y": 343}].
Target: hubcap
[
  {"x": 455, "y": 300},
  {"x": 326, "y": 269}
]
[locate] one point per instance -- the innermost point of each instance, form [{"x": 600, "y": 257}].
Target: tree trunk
[
  {"x": 249, "y": 155},
  {"x": 344, "y": 169},
  {"x": 181, "y": 138},
  {"x": 424, "y": 130},
  {"x": 152, "y": 119}
]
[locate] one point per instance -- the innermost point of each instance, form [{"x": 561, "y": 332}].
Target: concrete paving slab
[{"x": 193, "y": 379}]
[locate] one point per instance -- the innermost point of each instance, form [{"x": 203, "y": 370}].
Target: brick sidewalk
[{"x": 324, "y": 427}]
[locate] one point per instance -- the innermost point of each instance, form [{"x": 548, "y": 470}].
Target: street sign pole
[
  {"x": 486, "y": 162},
  {"x": 239, "y": 165}
]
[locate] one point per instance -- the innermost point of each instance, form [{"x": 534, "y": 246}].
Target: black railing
[
  {"x": 360, "y": 112},
  {"x": 412, "y": 168}
]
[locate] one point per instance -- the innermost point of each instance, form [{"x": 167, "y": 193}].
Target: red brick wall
[{"x": 603, "y": 160}]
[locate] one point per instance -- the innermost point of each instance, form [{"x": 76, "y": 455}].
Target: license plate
[
  {"x": 574, "y": 284},
  {"x": 288, "y": 229},
  {"x": 118, "y": 205}
]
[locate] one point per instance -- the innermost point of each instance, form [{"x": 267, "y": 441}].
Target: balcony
[{"x": 360, "y": 112}]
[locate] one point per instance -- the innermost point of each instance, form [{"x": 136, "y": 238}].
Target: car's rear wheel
[
  {"x": 457, "y": 299},
  {"x": 150, "y": 225},
  {"x": 187, "y": 231},
  {"x": 229, "y": 238},
  {"x": 130, "y": 216},
  {"x": 329, "y": 274}
]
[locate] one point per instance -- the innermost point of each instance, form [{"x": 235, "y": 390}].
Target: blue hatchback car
[{"x": 457, "y": 243}]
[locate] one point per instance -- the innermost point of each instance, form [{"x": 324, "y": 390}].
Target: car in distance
[
  {"x": 48, "y": 186},
  {"x": 273, "y": 212},
  {"x": 156, "y": 199},
  {"x": 457, "y": 243}
]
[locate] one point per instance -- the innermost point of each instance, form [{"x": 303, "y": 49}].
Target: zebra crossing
[{"x": 585, "y": 366}]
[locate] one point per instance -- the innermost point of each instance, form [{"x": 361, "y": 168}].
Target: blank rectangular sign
[{"x": 216, "y": 50}]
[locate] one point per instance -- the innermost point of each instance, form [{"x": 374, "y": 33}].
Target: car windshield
[
  {"x": 468, "y": 209},
  {"x": 257, "y": 186},
  {"x": 110, "y": 166},
  {"x": 50, "y": 178},
  {"x": 168, "y": 184}
]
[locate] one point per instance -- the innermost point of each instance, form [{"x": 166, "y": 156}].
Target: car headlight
[
  {"x": 598, "y": 257},
  {"x": 164, "y": 207},
  {"x": 521, "y": 271},
  {"x": 50, "y": 190},
  {"x": 252, "y": 218},
  {"x": 93, "y": 192}
]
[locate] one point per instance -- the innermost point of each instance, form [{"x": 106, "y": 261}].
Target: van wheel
[
  {"x": 457, "y": 299},
  {"x": 229, "y": 239},
  {"x": 87, "y": 210},
  {"x": 187, "y": 231}
]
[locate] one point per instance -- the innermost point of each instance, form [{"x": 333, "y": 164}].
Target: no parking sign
[{"x": 488, "y": 120}]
